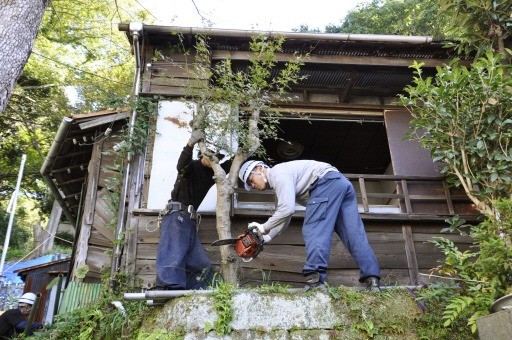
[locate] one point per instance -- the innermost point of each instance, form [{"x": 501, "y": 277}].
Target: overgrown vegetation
[
  {"x": 478, "y": 276},
  {"x": 464, "y": 117},
  {"x": 101, "y": 320},
  {"x": 385, "y": 314},
  {"x": 222, "y": 297},
  {"x": 79, "y": 61}
]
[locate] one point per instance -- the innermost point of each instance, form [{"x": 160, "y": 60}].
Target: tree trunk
[
  {"x": 51, "y": 228},
  {"x": 19, "y": 24},
  {"x": 37, "y": 231},
  {"x": 228, "y": 260}
]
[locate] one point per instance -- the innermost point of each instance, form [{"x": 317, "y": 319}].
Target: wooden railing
[
  {"x": 402, "y": 184},
  {"x": 435, "y": 191}
]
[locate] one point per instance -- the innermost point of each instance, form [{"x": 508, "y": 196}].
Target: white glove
[
  {"x": 196, "y": 136},
  {"x": 260, "y": 227},
  {"x": 266, "y": 239}
]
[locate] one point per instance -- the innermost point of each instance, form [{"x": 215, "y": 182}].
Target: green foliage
[
  {"x": 403, "y": 17},
  {"x": 375, "y": 315},
  {"x": 64, "y": 239},
  {"x": 223, "y": 292},
  {"x": 78, "y": 47},
  {"x": 274, "y": 287},
  {"x": 480, "y": 25},
  {"x": 481, "y": 275},
  {"x": 101, "y": 320},
  {"x": 248, "y": 95},
  {"x": 19, "y": 235},
  {"x": 431, "y": 325},
  {"x": 145, "y": 124},
  {"x": 464, "y": 117}
]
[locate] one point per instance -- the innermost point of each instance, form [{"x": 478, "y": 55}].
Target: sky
[{"x": 265, "y": 15}]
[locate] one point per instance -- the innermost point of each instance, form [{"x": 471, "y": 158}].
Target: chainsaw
[{"x": 247, "y": 245}]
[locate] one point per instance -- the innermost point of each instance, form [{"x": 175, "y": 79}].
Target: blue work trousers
[
  {"x": 332, "y": 206},
  {"x": 181, "y": 261}
]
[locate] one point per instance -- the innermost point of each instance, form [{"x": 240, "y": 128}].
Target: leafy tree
[
  {"x": 402, "y": 17},
  {"x": 78, "y": 47},
  {"x": 19, "y": 234},
  {"x": 480, "y": 24},
  {"x": 238, "y": 104},
  {"x": 464, "y": 117}
]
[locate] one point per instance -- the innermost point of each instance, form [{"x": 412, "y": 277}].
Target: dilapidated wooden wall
[{"x": 401, "y": 247}]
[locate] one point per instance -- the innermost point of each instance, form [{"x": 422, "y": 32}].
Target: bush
[{"x": 479, "y": 276}]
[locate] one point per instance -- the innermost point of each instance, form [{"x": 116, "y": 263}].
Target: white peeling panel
[{"x": 173, "y": 132}]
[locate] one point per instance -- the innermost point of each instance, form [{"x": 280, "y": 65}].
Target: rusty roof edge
[
  {"x": 48, "y": 162},
  {"x": 56, "y": 144},
  {"x": 235, "y": 33},
  {"x": 42, "y": 265}
]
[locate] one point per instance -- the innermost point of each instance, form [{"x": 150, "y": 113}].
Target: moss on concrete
[{"x": 384, "y": 315}]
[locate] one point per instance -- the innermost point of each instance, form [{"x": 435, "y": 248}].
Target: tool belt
[{"x": 182, "y": 208}]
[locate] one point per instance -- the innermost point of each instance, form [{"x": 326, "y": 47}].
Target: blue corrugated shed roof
[{"x": 10, "y": 268}]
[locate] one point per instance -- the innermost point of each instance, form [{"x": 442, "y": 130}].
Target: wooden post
[
  {"x": 448, "y": 198},
  {"x": 364, "y": 197},
  {"x": 82, "y": 246},
  {"x": 410, "y": 253},
  {"x": 408, "y": 207},
  {"x": 134, "y": 200}
]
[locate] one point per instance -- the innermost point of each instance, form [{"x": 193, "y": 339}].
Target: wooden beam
[
  {"x": 408, "y": 207},
  {"x": 104, "y": 120},
  {"x": 72, "y": 181},
  {"x": 364, "y": 197},
  {"x": 343, "y": 97},
  {"x": 81, "y": 166},
  {"x": 448, "y": 197},
  {"x": 82, "y": 247},
  {"x": 410, "y": 253},
  {"x": 338, "y": 59}
]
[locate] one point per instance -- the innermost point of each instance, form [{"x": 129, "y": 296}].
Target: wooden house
[{"x": 348, "y": 95}]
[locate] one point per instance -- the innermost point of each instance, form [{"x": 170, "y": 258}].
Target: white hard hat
[
  {"x": 246, "y": 169},
  {"x": 27, "y": 298}
]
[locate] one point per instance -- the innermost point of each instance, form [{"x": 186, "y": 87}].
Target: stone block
[{"x": 496, "y": 326}]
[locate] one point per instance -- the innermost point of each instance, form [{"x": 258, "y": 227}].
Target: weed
[
  {"x": 274, "y": 287},
  {"x": 222, "y": 303}
]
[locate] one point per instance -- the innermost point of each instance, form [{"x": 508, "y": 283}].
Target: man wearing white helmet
[
  {"x": 14, "y": 321},
  {"x": 331, "y": 205}
]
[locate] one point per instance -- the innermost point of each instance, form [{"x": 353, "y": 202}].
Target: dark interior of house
[{"x": 355, "y": 146}]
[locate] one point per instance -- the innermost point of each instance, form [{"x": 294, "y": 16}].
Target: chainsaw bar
[{"x": 224, "y": 242}]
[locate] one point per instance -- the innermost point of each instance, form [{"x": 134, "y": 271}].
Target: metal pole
[
  {"x": 57, "y": 295},
  {"x": 11, "y": 217},
  {"x": 136, "y": 31}
]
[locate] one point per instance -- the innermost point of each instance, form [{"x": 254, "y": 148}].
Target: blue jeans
[
  {"x": 332, "y": 206},
  {"x": 181, "y": 262}
]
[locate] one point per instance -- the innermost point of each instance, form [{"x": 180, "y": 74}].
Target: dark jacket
[
  {"x": 8, "y": 321},
  {"x": 194, "y": 179},
  {"x": 13, "y": 322}
]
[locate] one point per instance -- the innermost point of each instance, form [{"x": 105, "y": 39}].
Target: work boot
[
  {"x": 313, "y": 282},
  {"x": 372, "y": 284}
]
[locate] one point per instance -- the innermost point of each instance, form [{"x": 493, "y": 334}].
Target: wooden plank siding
[
  {"x": 401, "y": 255},
  {"x": 173, "y": 75}
]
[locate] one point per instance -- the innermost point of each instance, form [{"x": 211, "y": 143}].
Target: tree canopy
[
  {"x": 400, "y": 17},
  {"x": 79, "y": 63}
]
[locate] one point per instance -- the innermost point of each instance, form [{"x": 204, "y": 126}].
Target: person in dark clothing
[
  {"x": 14, "y": 321},
  {"x": 181, "y": 261}
]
